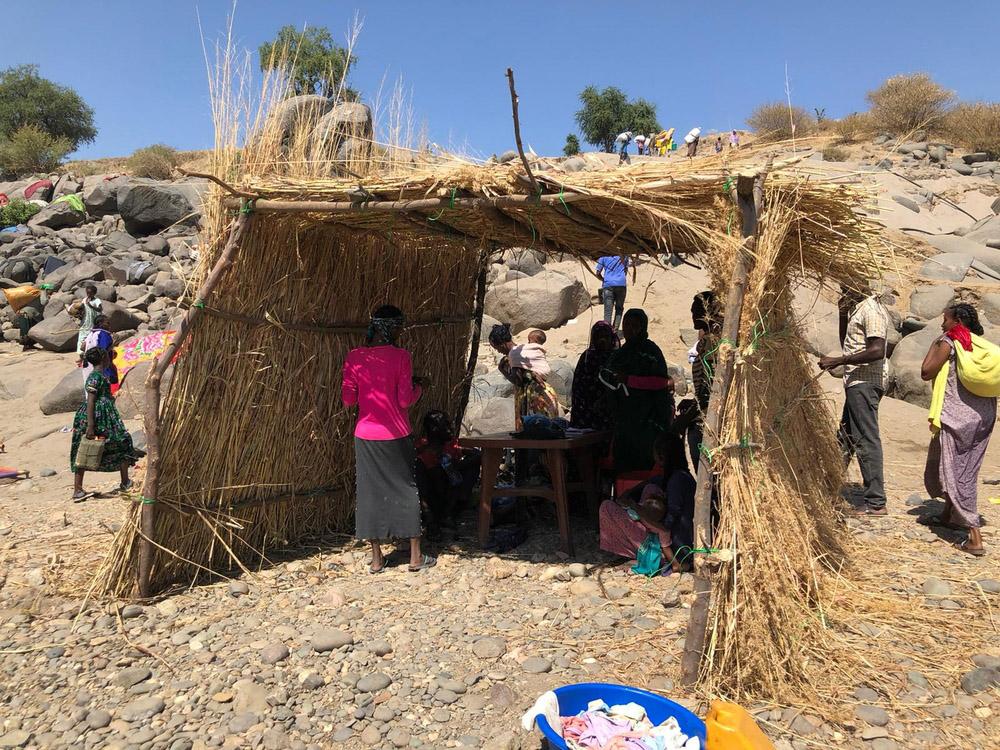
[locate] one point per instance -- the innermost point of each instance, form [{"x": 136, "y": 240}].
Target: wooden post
[
  {"x": 477, "y": 335},
  {"x": 151, "y": 418},
  {"x": 748, "y": 194},
  {"x": 517, "y": 134}
]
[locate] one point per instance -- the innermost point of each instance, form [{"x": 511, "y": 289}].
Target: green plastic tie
[
  {"x": 727, "y": 185},
  {"x": 200, "y": 303},
  {"x": 246, "y": 206},
  {"x": 453, "y": 190},
  {"x": 704, "y": 450},
  {"x": 563, "y": 201},
  {"x": 142, "y": 499}
]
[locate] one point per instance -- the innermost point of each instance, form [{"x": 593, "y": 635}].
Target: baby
[{"x": 531, "y": 356}]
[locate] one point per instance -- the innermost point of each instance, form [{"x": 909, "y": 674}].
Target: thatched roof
[{"x": 670, "y": 205}]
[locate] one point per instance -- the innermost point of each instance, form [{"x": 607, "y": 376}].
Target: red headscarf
[{"x": 961, "y": 334}]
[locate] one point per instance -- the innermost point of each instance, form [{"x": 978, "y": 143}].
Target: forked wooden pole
[
  {"x": 151, "y": 418},
  {"x": 748, "y": 194},
  {"x": 517, "y": 134}
]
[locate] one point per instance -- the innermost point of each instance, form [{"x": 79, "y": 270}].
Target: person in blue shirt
[{"x": 612, "y": 270}]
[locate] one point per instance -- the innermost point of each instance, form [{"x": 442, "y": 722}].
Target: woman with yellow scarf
[{"x": 965, "y": 369}]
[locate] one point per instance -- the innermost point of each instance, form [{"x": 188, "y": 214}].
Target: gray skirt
[{"x": 388, "y": 503}]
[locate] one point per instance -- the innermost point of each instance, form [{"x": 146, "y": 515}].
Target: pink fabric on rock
[{"x": 379, "y": 380}]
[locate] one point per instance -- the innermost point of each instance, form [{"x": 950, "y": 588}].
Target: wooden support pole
[
  {"x": 517, "y": 133},
  {"x": 748, "y": 193},
  {"x": 151, "y": 419},
  {"x": 417, "y": 204},
  {"x": 477, "y": 335}
]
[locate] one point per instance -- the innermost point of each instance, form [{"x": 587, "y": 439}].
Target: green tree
[
  {"x": 572, "y": 146},
  {"x": 28, "y": 100},
  {"x": 606, "y": 113},
  {"x": 316, "y": 65}
]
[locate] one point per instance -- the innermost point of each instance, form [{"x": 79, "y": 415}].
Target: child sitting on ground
[
  {"x": 445, "y": 473},
  {"x": 531, "y": 356}
]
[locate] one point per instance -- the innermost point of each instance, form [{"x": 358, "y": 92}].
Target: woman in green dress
[
  {"x": 642, "y": 401},
  {"x": 98, "y": 416}
]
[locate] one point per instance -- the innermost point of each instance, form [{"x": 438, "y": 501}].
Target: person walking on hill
[
  {"x": 612, "y": 270},
  {"x": 718, "y": 145},
  {"x": 87, "y": 310},
  {"x": 621, "y": 143},
  {"x": 378, "y": 379},
  {"x": 864, "y": 327},
  {"x": 734, "y": 140},
  {"x": 962, "y": 423},
  {"x": 640, "y": 144}
]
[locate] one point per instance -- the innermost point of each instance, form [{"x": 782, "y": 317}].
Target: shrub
[
  {"x": 157, "y": 161},
  {"x": 906, "y": 103},
  {"x": 17, "y": 212},
  {"x": 975, "y": 127},
  {"x": 30, "y": 149},
  {"x": 774, "y": 122},
  {"x": 836, "y": 153},
  {"x": 853, "y": 128},
  {"x": 572, "y": 147}
]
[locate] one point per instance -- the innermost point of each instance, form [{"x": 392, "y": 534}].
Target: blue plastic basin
[{"x": 574, "y": 698}]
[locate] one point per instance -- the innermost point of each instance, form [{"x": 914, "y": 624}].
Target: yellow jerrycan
[{"x": 729, "y": 727}]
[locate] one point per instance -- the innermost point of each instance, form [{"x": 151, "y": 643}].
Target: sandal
[
  {"x": 126, "y": 486},
  {"x": 427, "y": 562},
  {"x": 974, "y": 551},
  {"x": 79, "y": 497},
  {"x": 374, "y": 571}
]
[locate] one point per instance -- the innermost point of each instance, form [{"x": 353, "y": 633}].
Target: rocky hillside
[{"x": 135, "y": 239}]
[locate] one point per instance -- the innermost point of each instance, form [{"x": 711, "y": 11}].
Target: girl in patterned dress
[{"x": 98, "y": 416}]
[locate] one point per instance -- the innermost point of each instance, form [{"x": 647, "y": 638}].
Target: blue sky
[{"x": 139, "y": 64}]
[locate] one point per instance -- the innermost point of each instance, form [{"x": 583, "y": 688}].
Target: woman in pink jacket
[{"x": 378, "y": 379}]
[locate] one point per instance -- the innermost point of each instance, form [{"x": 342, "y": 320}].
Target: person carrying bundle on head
[{"x": 621, "y": 143}]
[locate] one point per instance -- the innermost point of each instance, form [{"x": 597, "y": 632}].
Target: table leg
[
  {"x": 557, "y": 469},
  {"x": 585, "y": 465},
  {"x": 488, "y": 481}
]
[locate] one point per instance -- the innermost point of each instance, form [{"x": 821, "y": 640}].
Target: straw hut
[{"x": 251, "y": 449}]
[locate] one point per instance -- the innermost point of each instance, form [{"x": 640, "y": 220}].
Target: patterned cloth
[
  {"x": 139, "y": 349},
  {"x": 956, "y": 452},
  {"x": 868, "y": 320},
  {"x": 118, "y": 448}
]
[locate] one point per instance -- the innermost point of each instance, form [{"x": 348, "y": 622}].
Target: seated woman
[
  {"x": 663, "y": 506},
  {"x": 445, "y": 474},
  {"x": 641, "y": 395},
  {"x": 590, "y": 409}
]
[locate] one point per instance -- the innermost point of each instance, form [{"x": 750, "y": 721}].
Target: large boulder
[
  {"x": 489, "y": 416},
  {"x": 81, "y": 272},
  {"x": 527, "y": 261},
  {"x": 120, "y": 318},
  {"x": 57, "y": 216},
  {"x": 66, "y": 396},
  {"x": 491, "y": 385},
  {"x": 149, "y": 206},
  {"x": 131, "y": 396},
  {"x": 18, "y": 269},
  {"x": 819, "y": 321},
  {"x": 930, "y": 301},
  {"x": 56, "y": 333},
  {"x": 969, "y": 245},
  {"x": 345, "y": 120},
  {"x": 100, "y": 194},
  {"x": 118, "y": 242},
  {"x": 300, "y": 111},
  {"x": 991, "y": 307},
  {"x": 561, "y": 378},
  {"x": 947, "y": 267},
  {"x": 68, "y": 184},
  {"x": 544, "y": 301},
  {"x": 906, "y": 383}
]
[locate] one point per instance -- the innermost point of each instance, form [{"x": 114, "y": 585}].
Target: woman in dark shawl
[
  {"x": 590, "y": 408},
  {"x": 641, "y": 400}
]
